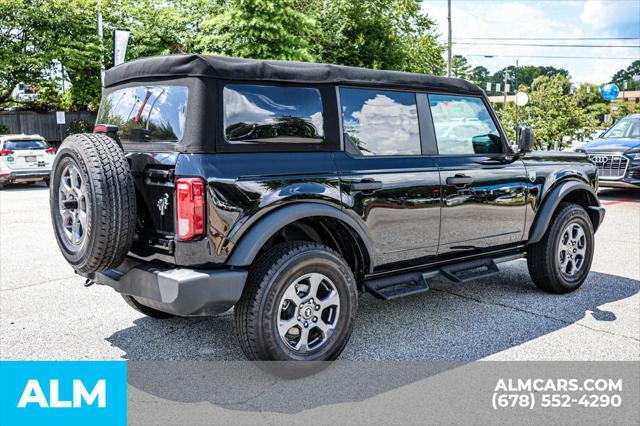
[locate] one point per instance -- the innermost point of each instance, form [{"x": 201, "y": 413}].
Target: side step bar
[
  {"x": 394, "y": 286},
  {"x": 468, "y": 271},
  {"x": 397, "y": 286}
]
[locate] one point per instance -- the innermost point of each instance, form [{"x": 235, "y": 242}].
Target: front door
[
  {"x": 385, "y": 178},
  {"x": 483, "y": 185}
]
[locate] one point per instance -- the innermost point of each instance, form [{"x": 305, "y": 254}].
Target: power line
[
  {"x": 546, "y": 45},
  {"x": 547, "y": 38},
  {"x": 547, "y": 57}
]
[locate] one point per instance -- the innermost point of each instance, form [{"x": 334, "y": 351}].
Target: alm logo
[
  {"x": 63, "y": 393},
  {"x": 33, "y": 394}
]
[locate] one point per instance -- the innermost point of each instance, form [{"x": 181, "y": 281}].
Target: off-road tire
[
  {"x": 269, "y": 277},
  {"x": 110, "y": 202},
  {"x": 542, "y": 257},
  {"x": 150, "y": 312}
]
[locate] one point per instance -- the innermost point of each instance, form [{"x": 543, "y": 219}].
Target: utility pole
[
  {"x": 504, "y": 89},
  {"x": 449, "y": 40}
]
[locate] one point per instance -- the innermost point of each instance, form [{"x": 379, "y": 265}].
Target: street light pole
[{"x": 449, "y": 40}]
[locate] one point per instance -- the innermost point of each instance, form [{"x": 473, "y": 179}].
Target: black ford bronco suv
[{"x": 284, "y": 189}]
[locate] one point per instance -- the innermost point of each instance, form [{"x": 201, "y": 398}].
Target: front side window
[
  {"x": 146, "y": 113},
  {"x": 463, "y": 126},
  {"x": 255, "y": 114},
  {"x": 381, "y": 122}
]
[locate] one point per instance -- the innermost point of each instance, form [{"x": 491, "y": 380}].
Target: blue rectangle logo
[{"x": 65, "y": 393}]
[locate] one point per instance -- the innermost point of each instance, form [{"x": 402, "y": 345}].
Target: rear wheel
[
  {"x": 92, "y": 202},
  {"x": 298, "y": 305},
  {"x": 561, "y": 261}
]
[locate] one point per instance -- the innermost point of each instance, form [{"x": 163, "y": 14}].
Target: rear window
[
  {"x": 25, "y": 144},
  {"x": 146, "y": 113},
  {"x": 255, "y": 114}
]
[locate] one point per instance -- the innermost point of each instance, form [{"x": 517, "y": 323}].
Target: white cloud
[
  {"x": 544, "y": 19},
  {"x": 621, "y": 18}
]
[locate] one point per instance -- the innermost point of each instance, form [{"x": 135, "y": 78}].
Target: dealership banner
[
  {"x": 343, "y": 392},
  {"x": 120, "y": 42}
]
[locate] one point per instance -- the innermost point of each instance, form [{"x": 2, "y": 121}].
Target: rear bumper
[
  {"x": 25, "y": 175},
  {"x": 179, "y": 291}
]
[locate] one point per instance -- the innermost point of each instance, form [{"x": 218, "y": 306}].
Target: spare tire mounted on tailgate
[{"x": 93, "y": 203}]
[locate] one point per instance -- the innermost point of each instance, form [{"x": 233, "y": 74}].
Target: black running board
[
  {"x": 396, "y": 286},
  {"x": 469, "y": 271}
]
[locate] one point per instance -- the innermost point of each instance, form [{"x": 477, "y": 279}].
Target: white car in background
[{"x": 25, "y": 158}]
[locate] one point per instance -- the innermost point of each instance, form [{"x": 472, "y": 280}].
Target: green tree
[
  {"x": 460, "y": 67},
  {"x": 27, "y": 43},
  {"x": 380, "y": 34},
  {"x": 479, "y": 74},
  {"x": 552, "y": 112},
  {"x": 627, "y": 75},
  {"x": 261, "y": 29},
  {"x": 524, "y": 75}
]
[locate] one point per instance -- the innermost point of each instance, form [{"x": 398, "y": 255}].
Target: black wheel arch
[
  {"x": 344, "y": 230},
  {"x": 570, "y": 190}
]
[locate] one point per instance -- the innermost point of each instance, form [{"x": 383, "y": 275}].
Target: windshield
[
  {"x": 146, "y": 113},
  {"x": 626, "y": 128},
  {"x": 22, "y": 144}
]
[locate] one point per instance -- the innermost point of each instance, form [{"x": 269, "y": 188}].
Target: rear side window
[
  {"x": 380, "y": 122},
  {"x": 146, "y": 113},
  {"x": 257, "y": 114},
  {"x": 463, "y": 126},
  {"x": 25, "y": 144}
]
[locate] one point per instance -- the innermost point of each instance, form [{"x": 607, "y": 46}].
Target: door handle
[
  {"x": 365, "y": 185},
  {"x": 459, "y": 180}
]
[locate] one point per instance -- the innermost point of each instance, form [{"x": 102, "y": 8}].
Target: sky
[{"x": 504, "y": 19}]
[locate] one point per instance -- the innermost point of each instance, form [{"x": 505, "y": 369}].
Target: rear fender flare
[
  {"x": 555, "y": 197},
  {"x": 252, "y": 241}
]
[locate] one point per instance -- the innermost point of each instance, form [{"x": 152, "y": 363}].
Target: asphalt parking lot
[{"x": 47, "y": 313}]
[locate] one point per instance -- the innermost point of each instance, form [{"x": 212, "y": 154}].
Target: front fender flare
[
  {"x": 555, "y": 197},
  {"x": 252, "y": 241}
]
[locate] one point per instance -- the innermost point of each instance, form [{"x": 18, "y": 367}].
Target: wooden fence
[{"x": 42, "y": 123}]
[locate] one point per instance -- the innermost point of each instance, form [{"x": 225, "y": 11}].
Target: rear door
[
  {"x": 484, "y": 186},
  {"x": 386, "y": 180}
]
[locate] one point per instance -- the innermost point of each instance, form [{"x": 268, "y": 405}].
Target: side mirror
[{"x": 526, "y": 140}]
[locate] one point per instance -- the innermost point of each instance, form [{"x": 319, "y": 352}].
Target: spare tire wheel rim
[
  {"x": 308, "y": 312},
  {"x": 72, "y": 200},
  {"x": 572, "y": 249}
]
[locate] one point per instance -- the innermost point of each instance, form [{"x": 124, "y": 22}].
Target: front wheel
[
  {"x": 298, "y": 305},
  {"x": 561, "y": 261}
]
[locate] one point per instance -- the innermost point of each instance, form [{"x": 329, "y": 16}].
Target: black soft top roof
[{"x": 278, "y": 71}]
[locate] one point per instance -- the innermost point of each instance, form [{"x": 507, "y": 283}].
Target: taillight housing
[
  {"x": 50, "y": 151},
  {"x": 5, "y": 152},
  {"x": 190, "y": 208}
]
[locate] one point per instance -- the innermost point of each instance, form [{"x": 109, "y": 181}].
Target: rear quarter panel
[
  {"x": 546, "y": 170},
  {"x": 242, "y": 188}
]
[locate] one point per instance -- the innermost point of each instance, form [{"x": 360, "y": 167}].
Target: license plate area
[{"x": 30, "y": 159}]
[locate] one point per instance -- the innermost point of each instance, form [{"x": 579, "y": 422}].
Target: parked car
[
  {"x": 286, "y": 189},
  {"x": 617, "y": 153},
  {"x": 25, "y": 158}
]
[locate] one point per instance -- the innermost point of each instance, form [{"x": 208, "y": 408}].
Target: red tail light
[
  {"x": 190, "y": 208},
  {"x": 100, "y": 128},
  {"x": 50, "y": 151},
  {"x": 5, "y": 152}
]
